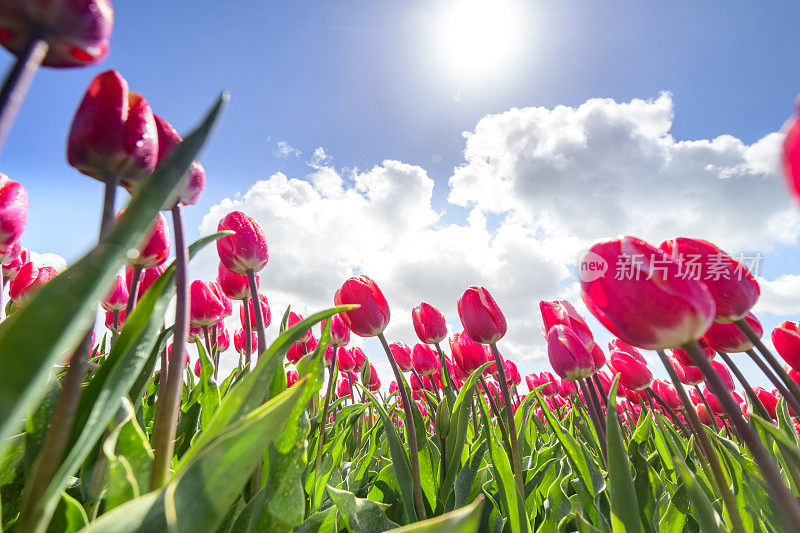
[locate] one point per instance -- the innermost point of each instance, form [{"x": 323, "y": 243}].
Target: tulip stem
[
  {"x": 495, "y": 411},
  {"x": 109, "y": 206},
  {"x": 516, "y": 463},
  {"x": 449, "y": 389},
  {"x": 208, "y": 349},
  {"x": 262, "y": 335},
  {"x": 773, "y": 362},
  {"x": 600, "y": 392},
  {"x": 598, "y": 427},
  {"x": 705, "y": 403},
  {"x": 705, "y": 446},
  {"x": 18, "y": 81},
  {"x": 672, "y": 414},
  {"x": 324, "y": 419},
  {"x": 164, "y": 426},
  {"x": 748, "y": 390},
  {"x": 411, "y": 432},
  {"x": 596, "y": 403},
  {"x": 774, "y": 482},
  {"x": 55, "y": 441},
  {"x": 248, "y": 341},
  {"x": 133, "y": 293},
  {"x": 776, "y": 382}
]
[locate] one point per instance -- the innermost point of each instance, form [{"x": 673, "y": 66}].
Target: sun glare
[{"x": 479, "y": 36}]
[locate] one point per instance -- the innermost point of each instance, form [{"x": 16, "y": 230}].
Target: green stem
[
  {"x": 516, "y": 463},
  {"x": 260, "y": 330}
]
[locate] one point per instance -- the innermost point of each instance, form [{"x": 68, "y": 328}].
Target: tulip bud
[
  {"x": 343, "y": 389},
  {"x": 113, "y": 134},
  {"x": 562, "y": 312},
  {"x": 372, "y": 317},
  {"x": 468, "y": 354},
  {"x": 77, "y": 31},
  {"x": 117, "y": 297},
  {"x": 197, "y": 367},
  {"x": 28, "y": 280},
  {"x": 296, "y": 352},
  {"x": 729, "y": 338},
  {"x": 428, "y": 323},
  {"x": 374, "y": 383},
  {"x": 206, "y": 308},
  {"x": 340, "y": 333},
  {"x": 651, "y": 305},
  {"x": 235, "y": 286},
  {"x": 568, "y": 355},
  {"x": 443, "y": 419},
  {"x": 402, "y": 356},
  {"x": 154, "y": 249},
  {"x": 246, "y": 249},
  {"x": 109, "y": 322},
  {"x": 223, "y": 338},
  {"x": 265, "y": 312},
  {"x": 345, "y": 360},
  {"x": 481, "y": 316},
  {"x": 424, "y": 360},
  {"x": 724, "y": 375},
  {"x": 681, "y": 355},
  {"x": 359, "y": 357},
  {"x": 13, "y": 214},
  {"x": 512, "y": 374},
  {"x": 292, "y": 377},
  {"x": 786, "y": 339},
  {"x": 731, "y": 285}
]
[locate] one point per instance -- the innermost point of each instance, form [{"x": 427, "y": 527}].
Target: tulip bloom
[
  {"x": 113, "y": 135},
  {"x": 295, "y": 352},
  {"x": 481, "y": 316},
  {"x": 647, "y": 302},
  {"x": 235, "y": 286},
  {"x": 729, "y": 338},
  {"x": 769, "y": 400},
  {"x": 77, "y": 31},
  {"x": 513, "y": 376},
  {"x": 292, "y": 377},
  {"x": 340, "y": 333},
  {"x": 468, "y": 354},
  {"x": 246, "y": 249},
  {"x": 345, "y": 360},
  {"x": 545, "y": 379},
  {"x": 18, "y": 257},
  {"x": 109, "y": 322},
  {"x": 223, "y": 338},
  {"x": 13, "y": 213},
  {"x": 562, "y": 312},
  {"x": 154, "y": 249},
  {"x": 568, "y": 355},
  {"x": 428, "y": 323},
  {"x": 724, "y": 375},
  {"x": 424, "y": 360},
  {"x": 28, "y": 280},
  {"x": 791, "y": 157},
  {"x": 731, "y": 285},
  {"x": 402, "y": 355},
  {"x": 374, "y": 383},
  {"x": 194, "y": 181},
  {"x": 688, "y": 375},
  {"x": 786, "y": 339},
  {"x": 681, "y": 355},
  {"x": 265, "y": 312},
  {"x": 632, "y": 369},
  {"x": 343, "y": 389},
  {"x": 668, "y": 393},
  {"x": 197, "y": 367},
  {"x": 117, "y": 297},
  {"x": 293, "y": 319},
  {"x": 372, "y": 317},
  {"x": 239, "y": 339},
  {"x": 359, "y": 357},
  {"x": 206, "y": 308}
]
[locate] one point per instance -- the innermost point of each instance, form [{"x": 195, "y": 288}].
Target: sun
[{"x": 479, "y": 37}]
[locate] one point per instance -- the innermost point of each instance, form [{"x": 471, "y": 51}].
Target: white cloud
[
  {"x": 779, "y": 296},
  {"x": 539, "y": 185},
  {"x": 48, "y": 259},
  {"x": 285, "y": 150}
]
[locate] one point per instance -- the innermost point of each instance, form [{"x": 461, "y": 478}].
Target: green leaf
[
  {"x": 199, "y": 496},
  {"x": 464, "y": 520},
  {"x": 68, "y": 303},
  {"x": 622, "y": 494},
  {"x": 360, "y": 515},
  {"x": 69, "y": 516},
  {"x": 210, "y": 398},
  {"x": 710, "y": 521}
]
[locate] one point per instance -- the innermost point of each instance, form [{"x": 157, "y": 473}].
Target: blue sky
[{"x": 370, "y": 81}]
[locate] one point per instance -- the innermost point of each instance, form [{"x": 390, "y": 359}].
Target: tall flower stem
[
  {"x": 793, "y": 388},
  {"x": 600, "y": 392},
  {"x": 411, "y": 432},
  {"x": 593, "y": 414},
  {"x": 672, "y": 414},
  {"x": 516, "y": 463},
  {"x": 705, "y": 402},
  {"x": 774, "y": 482},
  {"x": 207, "y": 340},
  {"x": 748, "y": 390},
  {"x": 448, "y": 384},
  {"x": 248, "y": 341},
  {"x": 596, "y": 402},
  {"x": 164, "y": 426},
  {"x": 18, "y": 81},
  {"x": 134, "y": 290},
  {"x": 260, "y": 331},
  {"x": 705, "y": 446},
  {"x": 496, "y": 411},
  {"x": 323, "y": 421},
  {"x": 776, "y": 382}
]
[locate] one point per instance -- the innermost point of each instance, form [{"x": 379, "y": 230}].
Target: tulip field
[{"x": 115, "y": 427}]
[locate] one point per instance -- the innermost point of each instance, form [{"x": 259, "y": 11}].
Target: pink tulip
[
  {"x": 205, "y": 308},
  {"x": 688, "y": 375},
  {"x": 729, "y": 338},
  {"x": 562, "y": 312},
  {"x": 343, "y": 389},
  {"x": 16, "y": 258},
  {"x": 359, "y": 357},
  {"x": 632, "y": 369},
  {"x": 791, "y": 156},
  {"x": 239, "y": 339},
  {"x": 724, "y": 375},
  {"x": 117, "y": 297},
  {"x": 154, "y": 249},
  {"x": 28, "y": 280},
  {"x": 668, "y": 393},
  {"x": 197, "y": 367},
  {"x": 481, "y": 316},
  {"x": 293, "y": 319},
  {"x": 794, "y": 374},
  {"x": 265, "y": 312},
  {"x": 568, "y": 355},
  {"x": 246, "y": 249},
  {"x": 292, "y": 377},
  {"x": 650, "y": 306},
  {"x": 223, "y": 337},
  {"x": 731, "y": 285},
  {"x": 769, "y": 400},
  {"x": 428, "y": 323},
  {"x": 374, "y": 381},
  {"x": 681, "y": 355},
  {"x": 345, "y": 360},
  {"x": 77, "y": 31},
  {"x": 786, "y": 339},
  {"x": 295, "y": 352},
  {"x": 13, "y": 214},
  {"x": 340, "y": 333},
  {"x": 513, "y": 376},
  {"x": 402, "y": 355},
  {"x": 424, "y": 360},
  {"x": 109, "y": 322},
  {"x": 113, "y": 134},
  {"x": 235, "y": 286},
  {"x": 372, "y": 317},
  {"x": 193, "y": 183},
  {"x": 468, "y": 354}
]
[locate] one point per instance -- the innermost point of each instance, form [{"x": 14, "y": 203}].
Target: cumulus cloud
[
  {"x": 48, "y": 259},
  {"x": 284, "y": 150},
  {"x": 780, "y": 295},
  {"x": 539, "y": 184}
]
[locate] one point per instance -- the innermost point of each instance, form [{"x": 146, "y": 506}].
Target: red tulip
[
  {"x": 733, "y": 288},
  {"x": 374, "y": 381},
  {"x": 393, "y": 387},
  {"x": 223, "y": 337},
  {"x": 791, "y": 157},
  {"x": 513, "y": 376},
  {"x": 292, "y": 377},
  {"x": 769, "y": 400},
  {"x": 481, "y": 316},
  {"x": 724, "y": 375},
  {"x": 681, "y": 355},
  {"x": 345, "y": 360},
  {"x": 154, "y": 249},
  {"x": 632, "y": 369},
  {"x": 109, "y": 322},
  {"x": 562, "y": 312},
  {"x": 205, "y": 308},
  {"x": 113, "y": 134},
  {"x": 246, "y": 249},
  {"x": 265, "y": 312},
  {"x": 372, "y": 317},
  {"x": 688, "y": 375},
  {"x": 428, "y": 323},
  {"x": 77, "y": 31},
  {"x": 239, "y": 339},
  {"x": 343, "y": 389},
  {"x": 729, "y": 338},
  {"x": 293, "y": 319},
  {"x": 149, "y": 276},
  {"x": 28, "y": 280},
  {"x": 668, "y": 393},
  {"x": 786, "y": 339},
  {"x": 13, "y": 213},
  {"x": 194, "y": 181},
  {"x": 598, "y": 357},
  {"x": 648, "y": 304},
  {"x": 194, "y": 335},
  {"x": 359, "y": 357},
  {"x": 794, "y": 374},
  {"x": 545, "y": 379},
  {"x": 402, "y": 356},
  {"x": 424, "y": 360},
  {"x": 468, "y": 354},
  {"x": 568, "y": 355},
  {"x": 340, "y": 333},
  {"x": 295, "y": 352},
  {"x": 197, "y": 367},
  {"x": 235, "y": 286},
  {"x": 17, "y": 257},
  {"x": 117, "y": 297},
  {"x": 705, "y": 417}
]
